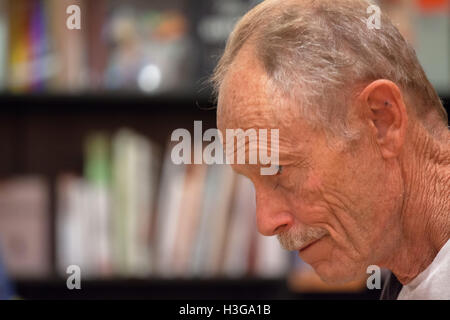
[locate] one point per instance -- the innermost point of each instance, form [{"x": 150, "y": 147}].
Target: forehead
[
  {"x": 247, "y": 100},
  {"x": 244, "y": 100}
]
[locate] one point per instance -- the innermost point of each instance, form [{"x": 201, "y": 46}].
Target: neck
[{"x": 424, "y": 225}]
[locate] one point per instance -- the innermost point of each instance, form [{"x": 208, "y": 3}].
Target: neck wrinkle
[{"x": 425, "y": 212}]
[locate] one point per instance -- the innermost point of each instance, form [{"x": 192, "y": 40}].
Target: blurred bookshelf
[
  {"x": 44, "y": 143},
  {"x": 153, "y": 47},
  {"x": 85, "y": 120}
]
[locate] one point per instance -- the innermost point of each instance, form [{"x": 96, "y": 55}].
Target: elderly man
[{"x": 364, "y": 148}]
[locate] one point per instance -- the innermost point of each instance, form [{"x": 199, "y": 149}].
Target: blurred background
[{"x": 85, "y": 172}]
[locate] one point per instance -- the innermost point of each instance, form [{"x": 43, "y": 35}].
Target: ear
[{"x": 385, "y": 111}]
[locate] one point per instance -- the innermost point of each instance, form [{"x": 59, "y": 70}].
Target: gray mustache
[{"x": 296, "y": 237}]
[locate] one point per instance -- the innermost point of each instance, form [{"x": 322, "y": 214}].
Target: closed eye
[{"x": 280, "y": 170}]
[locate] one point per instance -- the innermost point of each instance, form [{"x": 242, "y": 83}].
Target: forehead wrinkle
[
  {"x": 247, "y": 101},
  {"x": 253, "y": 109},
  {"x": 243, "y": 94},
  {"x": 250, "y": 145},
  {"x": 291, "y": 150},
  {"x": 248, "y": 111},
  {"x": 286, "y": 156}
]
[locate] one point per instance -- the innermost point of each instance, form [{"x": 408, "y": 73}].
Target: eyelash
[{"x": 280, "y": 170}]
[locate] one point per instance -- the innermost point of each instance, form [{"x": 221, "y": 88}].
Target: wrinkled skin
[{"x": 375, "y": 200}]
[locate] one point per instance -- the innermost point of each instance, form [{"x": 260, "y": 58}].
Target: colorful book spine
[
  {"x": 4, "y": 23},
  {"x": 19, "y": 44}
]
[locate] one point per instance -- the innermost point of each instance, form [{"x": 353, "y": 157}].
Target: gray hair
[{"x": 322, "y": 52}]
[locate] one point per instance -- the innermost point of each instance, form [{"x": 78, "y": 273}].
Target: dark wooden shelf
[
  {"x": 106, "y": 103},
  {"x": 209, "y": 289},
  {"x": 202, "y": 104}
]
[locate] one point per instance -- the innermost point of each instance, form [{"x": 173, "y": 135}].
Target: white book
[
  {"x": 146, "y": 174},
  {"x": 210, "y": 242},
  {"x": 86, "y": 237},
  {"x": 96, "y": 222},
  {"x": 77, "y": 241},
  {"x": 188, "y": 223},
  {"x": 134, "y": 178},
  {"x": 142, "y": 180},
  {"x": 168, "y": 212},
  {"x": 242, "y": 229},
  {"x": 96, "y": 211},
  {"x": 68, "y": 224},
  {"x": 220, "y": 221}
]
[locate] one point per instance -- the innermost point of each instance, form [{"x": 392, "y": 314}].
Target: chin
[{"x": 333, "y": 273}]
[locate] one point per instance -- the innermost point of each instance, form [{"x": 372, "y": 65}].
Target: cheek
[
  {"x": 333, "y": 199},
  {"x": 306, "y": 200},
  {"x": 356, "y": 195}
]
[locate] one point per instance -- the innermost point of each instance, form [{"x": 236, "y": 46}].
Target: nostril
[{"x": 280, "y": 229}]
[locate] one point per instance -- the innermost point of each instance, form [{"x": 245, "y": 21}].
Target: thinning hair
[{"x": 321, "y": 51}]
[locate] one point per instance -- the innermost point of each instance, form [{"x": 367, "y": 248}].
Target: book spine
[{"x": 4, "y": 47}]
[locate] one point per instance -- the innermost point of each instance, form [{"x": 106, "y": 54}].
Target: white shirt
[{"x": 434, "y": 282}]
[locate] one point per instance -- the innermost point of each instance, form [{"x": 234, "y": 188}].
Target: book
[
  {"x": 25, "y": 227},
  {"x": 74, "y": 238},
  {"x": 97, "y": 193},
  {"x": 104, "y": 218},
  {"x": 189, "y": 218},
  {"x": 19, "y": 46},
  {"x": 4, "y": 48},
  {"x": 40, "y": 61},
  {"x": 242, "y": 230},
  {"x": 69, "y": 49},
  {"x": 134, "y": 187},
  {"x": 96, "y": 42},
  {"x": 203, "y": 224},
  {"x": 168, "y": 213},
  {"x": 210, "y": 239}
]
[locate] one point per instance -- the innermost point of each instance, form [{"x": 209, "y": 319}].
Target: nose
[{"x": 272, "y": 214}]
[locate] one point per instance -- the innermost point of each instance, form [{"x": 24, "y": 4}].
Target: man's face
[{"x": 335, "y": 207}]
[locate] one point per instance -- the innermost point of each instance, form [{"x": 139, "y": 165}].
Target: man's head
[{"x": 347, "y": 100}]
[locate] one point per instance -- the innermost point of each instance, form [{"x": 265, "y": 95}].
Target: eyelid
[{"x": 280, "y": 170}]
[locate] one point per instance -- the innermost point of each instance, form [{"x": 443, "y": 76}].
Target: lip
[{"x": 305, "y": 247}]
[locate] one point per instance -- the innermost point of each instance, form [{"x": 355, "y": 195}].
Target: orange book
[
  {"x": 433, "y": 5},
  {"x": 19, "y": 43}
]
